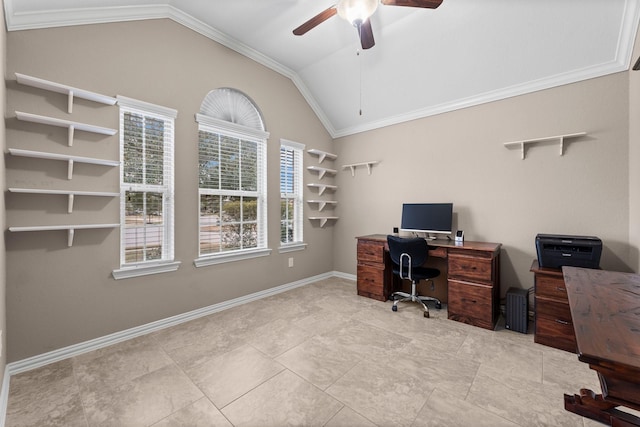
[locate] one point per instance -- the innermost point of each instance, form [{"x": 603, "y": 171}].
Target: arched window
[{"x": 231, "y": 178}]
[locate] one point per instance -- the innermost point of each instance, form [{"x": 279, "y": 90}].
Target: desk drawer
[
  {"x": 471, "y": 303},
  {"x": 370, "y": 251},
  {"x": 475, "y": 269},
  {"x": 370, "y": 282},
  {"x": 551, "y": 287},
  {"x": 554, "y": 325}
]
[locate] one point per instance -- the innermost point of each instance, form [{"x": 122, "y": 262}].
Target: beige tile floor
[{"x": 318, "y": 355}]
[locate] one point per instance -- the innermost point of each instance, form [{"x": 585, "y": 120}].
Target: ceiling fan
[{"x": 357, "y": 12}]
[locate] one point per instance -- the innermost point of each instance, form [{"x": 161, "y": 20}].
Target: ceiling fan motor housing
[{"x": 356, "y": 11}]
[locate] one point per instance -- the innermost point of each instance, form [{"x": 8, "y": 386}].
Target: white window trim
[
  {"x": 144, "y": 270},
  {"x": 156, "y": 266},
  {"x": 297, "y": 245},
  {"x": 210, "y": 124},
  {"x": 292, "y": 247},
  {"x": 224, "y": 257}
]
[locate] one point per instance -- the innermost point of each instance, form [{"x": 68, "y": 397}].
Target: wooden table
[{"x": 605, "y": 307}]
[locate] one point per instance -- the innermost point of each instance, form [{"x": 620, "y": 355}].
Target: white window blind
[
  {"x": 146, "y": 183},
  {"x": 232, "y": 187},
  {"x": 291, "y": 203}
]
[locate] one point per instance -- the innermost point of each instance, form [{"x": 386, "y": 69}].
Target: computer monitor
[{"x": 427, "y": 218}]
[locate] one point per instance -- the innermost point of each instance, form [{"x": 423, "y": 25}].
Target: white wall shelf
[
  {"x": 72, "y": 126},
  {"x": 323, "y": 203},
  {"x": 70, "y": 159},
  {"x": 64, "y": 89},
  {"x": 322, "y": 155},
  {"x": 70, "y": 194},
  {"x": 322, "y": 171},
  {"x": 323, "y": 219},
  {"x": 322, "y": 187},
  {"x": 69, "y": 228},
  {"x": 560, "y": 138},
  {"x": 353, "y": 166}
]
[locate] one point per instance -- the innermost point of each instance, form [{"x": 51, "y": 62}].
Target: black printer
[{"x": 556, "y": 250}]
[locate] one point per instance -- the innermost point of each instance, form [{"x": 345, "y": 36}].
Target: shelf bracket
[
  {"x": 70, "y": 169},
  {"x": 321, "y": 205},
  {"x": 70, "y": 204},
  {"x": 71, "y": 129},
  {"x": 70, "y": 102},
  {"x": 70, "y": 234}
]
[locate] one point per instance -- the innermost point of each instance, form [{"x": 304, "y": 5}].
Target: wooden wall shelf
[
  {"x": 323, "y": 219},
  {"x": 70, "y": 125},
  {"x": 560, "y": 138},
  {"x": 353, "y": 166},
  {"x": 70, "y": 159},
  {"x": 322, "y": 155},
  {"x": 71, "y": 194},
  {"x": 69, "y": 228},
  {"x": 64, "y": 89},
  {"x": 322, "y": 203}
]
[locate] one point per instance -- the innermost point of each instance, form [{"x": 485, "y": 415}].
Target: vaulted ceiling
[{"x": 425, "y": 61}]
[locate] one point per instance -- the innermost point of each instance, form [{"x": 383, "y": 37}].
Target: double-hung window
[
  {"x": 232, "y": 192},
  {"x": 147, "y": 188},
  {"x": 291, "y": 203}
]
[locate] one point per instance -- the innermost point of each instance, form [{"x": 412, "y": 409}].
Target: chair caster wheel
[
  {"x": 438, "y": 305},
  {"x": 426, "y": 314},
  {"x": 394, "y": 308}
]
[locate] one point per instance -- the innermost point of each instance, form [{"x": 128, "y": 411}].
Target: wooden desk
[
  {"x": 472, "y": 272},
  {"x": 605, "y": 307}
]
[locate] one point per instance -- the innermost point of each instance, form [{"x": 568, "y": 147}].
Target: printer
[{"x": 556, "y": 250}]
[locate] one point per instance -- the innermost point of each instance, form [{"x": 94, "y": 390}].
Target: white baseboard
[{"x": 34, "y": 362}]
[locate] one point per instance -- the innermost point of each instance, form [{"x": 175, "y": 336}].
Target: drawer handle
[
  {"x": 560, "y": 289},
  {"x": 469, "y": 300},
  {"x": 562, "y": 322}
]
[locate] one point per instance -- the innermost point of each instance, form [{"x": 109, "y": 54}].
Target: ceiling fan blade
[
  {"x": 315, "y": 21},
  {"x": 429, "y": 4},
  {"x": 366, "y": 35}
]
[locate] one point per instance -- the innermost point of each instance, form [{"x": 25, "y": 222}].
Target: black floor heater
[{"x": 517, "y": 310}]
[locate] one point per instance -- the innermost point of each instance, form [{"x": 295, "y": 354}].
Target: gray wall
[
  {"x": 60, "y": 296},
  {"x": 3, "y": 276},
  {"x": 459, "y": 157}
]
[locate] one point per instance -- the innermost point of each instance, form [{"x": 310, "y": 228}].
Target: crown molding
[{"x": 491, "y": 96}]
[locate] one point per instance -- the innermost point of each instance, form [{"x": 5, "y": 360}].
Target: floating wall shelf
[
  {"x": 64, "y": 89},
  {"x": 559, "y": 138},
  {"x": 322, "y": 187},
  {"x": 323, "y": 219},
  {"x": 322, "y": 155},
  {"x": 322, "y": 203},
  {"x": 72, "y": 126},
  {"x": 71, "y": 194},
  {"x": 69, "y": 228},
  {"x": 353, "y": 166},
  {"x": 69, "y": 159},
  {"x": 322, "y": 171}
]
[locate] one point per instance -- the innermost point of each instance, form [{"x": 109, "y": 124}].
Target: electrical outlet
[{"x": 290, "y": 262}]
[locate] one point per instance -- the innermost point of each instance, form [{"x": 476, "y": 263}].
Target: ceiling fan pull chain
[{"x": 360, "y": 66}]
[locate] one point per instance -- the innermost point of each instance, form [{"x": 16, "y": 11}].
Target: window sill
[
  {"x": 292, "y": 247},
  {"x": 204, "y": 261},
  {"x": 144, "y": 270}
]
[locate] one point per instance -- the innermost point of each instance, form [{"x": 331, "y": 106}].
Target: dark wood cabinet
[
  {"x": 374, "y": 269},
  {"x": 472, "y": 272},
  {"x": 553, "y": 322},
  {"x": 474, "y": 287}
]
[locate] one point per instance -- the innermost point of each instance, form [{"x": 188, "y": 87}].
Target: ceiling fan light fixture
[{"x": 356, "y": 11}]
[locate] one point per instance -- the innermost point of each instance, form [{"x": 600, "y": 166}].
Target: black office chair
[{"x": 408, "y": 255}]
